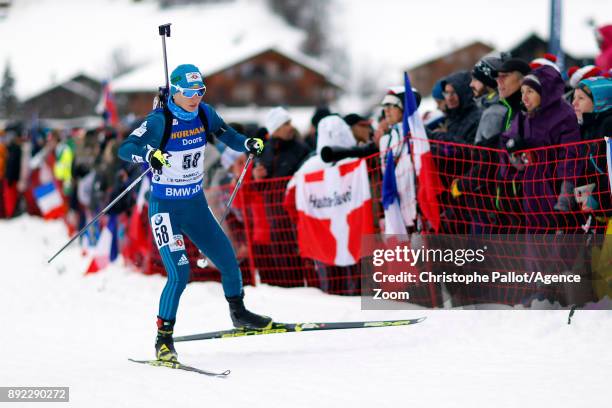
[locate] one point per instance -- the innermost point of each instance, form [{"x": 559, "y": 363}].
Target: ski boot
[
  {"x": 243, "y": 319},
  {"x": 164, "y": 343}
]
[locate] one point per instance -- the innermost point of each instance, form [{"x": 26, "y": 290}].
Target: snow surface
[{"x": 60, "y": 328}]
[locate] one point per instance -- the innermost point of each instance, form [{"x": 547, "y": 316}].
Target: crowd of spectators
[{"x": 491, "y": 134}]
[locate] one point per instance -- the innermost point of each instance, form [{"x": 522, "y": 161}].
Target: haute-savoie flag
[
  {"x": 107, "y": 247},
  {"x": 49, "y": 200},
  {"x": 334, "y": 208},
  {"x": 429, "y": 184},
  {"x": 107, "y": 107}
]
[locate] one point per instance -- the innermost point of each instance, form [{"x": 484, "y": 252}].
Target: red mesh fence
[{"x": 559, "y": 190}]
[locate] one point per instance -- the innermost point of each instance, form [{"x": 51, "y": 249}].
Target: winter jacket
[
  {"x": 604, "y": 60},
  {"x": 553, "y": 123},
  {"x": 463, "y": 120}
]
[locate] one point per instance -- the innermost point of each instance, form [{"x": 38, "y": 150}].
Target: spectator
[
  {"x": 282, "y": 156},
  {"x": 311, "y": 139},
  {"x": 437, "y": 94},
  {"x": 361, "y": 128},
  {"x": 484, "y": 88},
  {"x": 461, "y": 110},
  {"x": 395, "y": 143},
  {"x": 284, "y": 152},
  {"x": 593, "y": 106},
  {"x": 480, "y": 176},
  {"x": 549, "y": 121},
  {"x": 576, "y": 74},
  {"x": 547, "y": 59},
  {"x": 14, "y": 184},
  {"x": 509, "y": 77},
  {"x": 604, "y": 39}
]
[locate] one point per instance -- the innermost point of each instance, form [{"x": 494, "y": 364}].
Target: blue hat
[
  {"x": 186, "y": 76},
  {"x": 600, "y": 90},
  {"x": 436, "y": 92}
]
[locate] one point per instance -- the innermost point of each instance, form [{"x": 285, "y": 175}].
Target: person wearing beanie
[
  {"x": 490, "y": 127},
  {"x": 283, "y": 154},
  {"x": 576, "y": 74},
  {"x": 393, "y": 142},
  {"x": 437, "y": 94},
  {"x": 172, "y": 141},
  {"x": 592, "y": 103},
  {"x": 549, "y": 121},
  {"x": 283, "y": 151}
]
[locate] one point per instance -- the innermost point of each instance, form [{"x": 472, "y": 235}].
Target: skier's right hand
[{"x": 158, "y": 159}]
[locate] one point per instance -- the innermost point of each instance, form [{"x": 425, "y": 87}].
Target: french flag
[
  {"x": 107, "y": 247},
  {"x": 49, "y": 201},
  {"x": 394, "y": 223},
  {"x": 107, "y": 107},
  {"x": 429, "y": 184}
]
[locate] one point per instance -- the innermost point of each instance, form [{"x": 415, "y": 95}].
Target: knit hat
[
  {"x": 276, "y": 118},
  {"x": 514, "y": 64},
  {"x": 599, "y": 89},
  {"x": 395, "y": 96},
  {"x": 533, "y": 82},
  {"x": 437, "y": 90},
  {"x": 546, "y": 59},
  {"x": 186, "y": 76},
  {"x": 485, "y": 71},
  {"x": 577, "y": 74}
]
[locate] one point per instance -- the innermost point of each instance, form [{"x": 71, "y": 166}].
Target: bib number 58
[
  {"x": 191, "y": 160},
  {"x": 162, "y": 236}
]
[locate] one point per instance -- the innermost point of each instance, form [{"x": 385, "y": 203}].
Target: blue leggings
[{"x": 169, "y": 220}]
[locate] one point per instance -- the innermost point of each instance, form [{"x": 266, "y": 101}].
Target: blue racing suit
[{"x": 177, "y": 204}]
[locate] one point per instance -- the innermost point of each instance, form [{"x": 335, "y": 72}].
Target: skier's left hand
[{"x": 254, "y": 145}]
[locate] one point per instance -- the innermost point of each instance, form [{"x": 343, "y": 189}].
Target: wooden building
[
  {"x": 265, "y": 78},
  {"x": 424, "y": 76}
]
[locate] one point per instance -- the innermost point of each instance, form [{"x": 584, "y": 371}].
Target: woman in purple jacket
[{"x": 548, "y": 173}]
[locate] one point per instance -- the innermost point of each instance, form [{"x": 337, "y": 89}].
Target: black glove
[
  {"x": 157, "y": 159},
  {"x": 254, "y": 145}
]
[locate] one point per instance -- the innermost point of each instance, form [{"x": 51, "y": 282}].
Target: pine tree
[{"x": 8, "y": 100}]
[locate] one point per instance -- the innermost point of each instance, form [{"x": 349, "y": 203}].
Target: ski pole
[
  {"x": 101, "y": 213},
  {"x": 164, "y": 31},
  {"x": 203, "y": 262}
]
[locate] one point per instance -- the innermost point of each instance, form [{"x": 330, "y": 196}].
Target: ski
[
  {"x": 296, "y": 327},
  {"x": 180, "y": 366}
]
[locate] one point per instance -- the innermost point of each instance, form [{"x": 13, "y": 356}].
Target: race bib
[{"x": 162, "y": 230}]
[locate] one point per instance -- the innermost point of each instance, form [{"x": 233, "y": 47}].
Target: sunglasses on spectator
[
  {"x": 191, "y": 92},
  {"x": 448, "y": 94}
]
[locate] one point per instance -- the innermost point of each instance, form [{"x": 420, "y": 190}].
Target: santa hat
[
  {"x": 577, "y": 74},
  {"x": 546, "y": 59}
]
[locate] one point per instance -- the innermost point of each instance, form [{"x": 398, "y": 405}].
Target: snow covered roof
[{"x": 149, "y": 77}]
